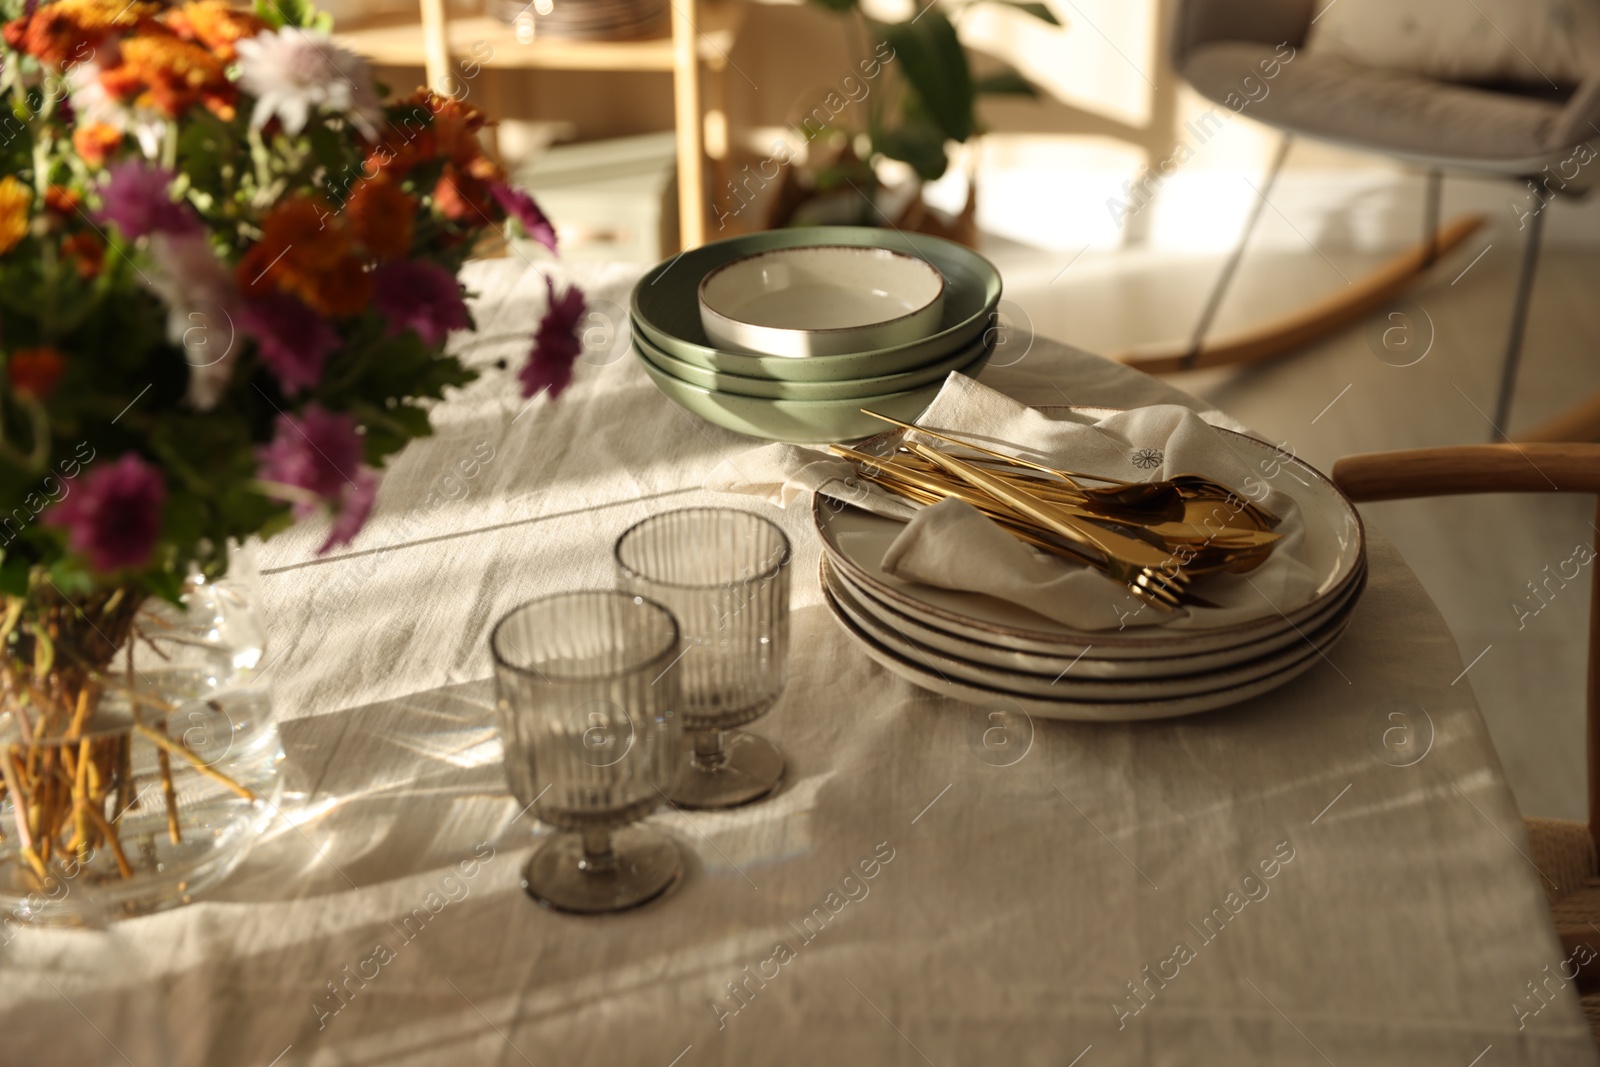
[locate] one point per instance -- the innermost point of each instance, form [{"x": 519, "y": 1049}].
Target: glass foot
[
  {"x": 644, "y": 864},
  {"x": 748, "y": 769}
]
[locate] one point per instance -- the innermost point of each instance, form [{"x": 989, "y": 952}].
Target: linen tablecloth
[{"x": 1276, "y": 883}]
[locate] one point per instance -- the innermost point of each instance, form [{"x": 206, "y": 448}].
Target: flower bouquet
[{"x": 227, "y": 274}]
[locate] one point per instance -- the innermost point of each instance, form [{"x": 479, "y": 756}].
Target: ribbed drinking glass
[
  {"x": 585, "y": 702},
  {"x": 724, "y": 574}
]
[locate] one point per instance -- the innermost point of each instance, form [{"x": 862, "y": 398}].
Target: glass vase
[{"x": 145, "y": 777}]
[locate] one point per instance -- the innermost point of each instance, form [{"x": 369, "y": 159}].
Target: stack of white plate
[
  {"x": 991, "y": 652},
  {"x": 585, "y": 20}
]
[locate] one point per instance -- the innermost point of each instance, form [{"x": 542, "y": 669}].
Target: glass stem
[
  {"x": 598, "y": 856},
  {"x": 708, "y": 755}
]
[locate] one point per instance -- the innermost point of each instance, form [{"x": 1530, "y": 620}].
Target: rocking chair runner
[{"x": 1217, "y": 44}]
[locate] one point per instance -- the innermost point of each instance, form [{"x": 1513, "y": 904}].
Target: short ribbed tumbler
[
  {"x": 724, "y": 574},
  {"x": 585, "y": 703}
]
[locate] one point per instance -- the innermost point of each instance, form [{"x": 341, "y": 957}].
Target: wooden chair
[{"x": 1566, "y": 853}]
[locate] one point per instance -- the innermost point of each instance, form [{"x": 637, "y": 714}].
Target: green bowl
[
  {"x": 968, "y": 361},
  {"x": 666, "y": 305},
  {"x": 805, "y": 422}
]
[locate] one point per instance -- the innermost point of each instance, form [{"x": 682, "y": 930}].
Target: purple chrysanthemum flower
[
  {"x": 355, "y": 505},
  {"x": 520, "y": 206},
  {"x": 320, "y": 453},
  {"x": 293, "y": 339},
  {"x": 136, "y": 198},
  {"x": 556, "y": 345},
  {"x": 114, "y": 516},
  {"x": 421, "y": 296}
]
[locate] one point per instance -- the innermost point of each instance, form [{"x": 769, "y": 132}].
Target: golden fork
[{"x": 1138, "y": 564}]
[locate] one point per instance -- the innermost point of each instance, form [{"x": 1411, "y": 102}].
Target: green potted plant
[{"x": 932, "y": 101}]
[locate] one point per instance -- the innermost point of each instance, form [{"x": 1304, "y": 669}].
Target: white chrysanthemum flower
[
  {"x": 91, "y": 103},
  {"x": 294, "y": 70},
  {"x": 198, "y": 290}
]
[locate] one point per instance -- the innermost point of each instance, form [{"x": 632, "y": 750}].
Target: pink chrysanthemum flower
[
  {"x": 522, "y": 207},
  {"x": 319, "y": 454},
  {"x": 137, "y": 199},
  {"x": 114, "y": 516},
  {"x": 413, "y": 294},
  {"x": 556, "y": 345},
  {"x": 294, "y": 341}
]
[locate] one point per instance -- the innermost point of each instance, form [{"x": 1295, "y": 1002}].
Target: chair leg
[
  {"x": 1519, "y": 324},
  {"x": 1220, "y": 288},
  {"x": 1435, "y": 200}
]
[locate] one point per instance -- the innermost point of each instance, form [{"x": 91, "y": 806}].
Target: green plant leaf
[
  {"x": 921, "y": 144},
  {"x": 270, "y": 13},
  {"x": 1038, "y": 11},
  {"x": 835, "y": 5},
  {"x": 14, "y": 576},
  {"x": 302, "y": 13},
  {"x": 1004, "y": 83},
  {"x": 935, "y": 66}
]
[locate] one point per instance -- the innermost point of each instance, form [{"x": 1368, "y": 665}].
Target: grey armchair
[{"x": 1441, "y": 126}]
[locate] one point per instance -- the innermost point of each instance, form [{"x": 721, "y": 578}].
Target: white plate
[
  {"x": 1334, "y": 548},
  {"x": 1082, "y": 662},
  {"x": 1068, "y": 684},
  {"x": 821, "y": 300},
  {"x": 1082, "y": 711}
]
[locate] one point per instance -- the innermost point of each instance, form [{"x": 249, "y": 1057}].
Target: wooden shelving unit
[{"x": 702, "y": 36}]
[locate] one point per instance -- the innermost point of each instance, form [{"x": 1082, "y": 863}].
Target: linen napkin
[{"x": 953, "y": 546}]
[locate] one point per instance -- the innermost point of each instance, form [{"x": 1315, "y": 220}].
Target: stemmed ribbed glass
[
  {"x": 585, "y": 703},
  {"x": 724, "y": 575}
]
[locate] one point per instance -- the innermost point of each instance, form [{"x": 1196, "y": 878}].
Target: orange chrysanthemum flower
[
  {"x": 381, "y": 216},
  {"x": 69, "y": 31},
  {"x": 87, "y": 254},
  {"x": 102, "y": 16},
  {"x": 463, "y": 197},
  {"x": 35, "y": 372},
  {"x": 15, "y": 199},
  {"x": 214, "y": 24},
  {"x": 169, "y": 74},
  {"x": 95, "y": 142},
  {"x": 305, "y": 249},
  {"x": 345, "y": 289},
  {"x": 61, "y": 201},
  {"x": 456, "y": 124},
  {"x": 406, "y": 141}
]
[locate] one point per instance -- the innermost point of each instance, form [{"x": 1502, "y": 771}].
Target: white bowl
[{"x": 821, "y": 300}]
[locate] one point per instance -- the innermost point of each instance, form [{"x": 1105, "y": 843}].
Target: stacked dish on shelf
[
  {"x": 584, "y": 20},
  {"x": 788, "y": 334},
  {"x": 1003, "y": 656}
]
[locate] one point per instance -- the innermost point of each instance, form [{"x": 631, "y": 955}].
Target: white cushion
[{"x": 1537, "y": 42}]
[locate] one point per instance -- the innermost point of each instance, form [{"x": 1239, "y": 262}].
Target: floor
[{"x": 1478, "y": 557}]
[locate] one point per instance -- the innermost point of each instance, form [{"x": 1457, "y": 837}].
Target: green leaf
[
  {"x": 166, "y": 585},
  {"x": 935, "y": 67},
  {"x": 302, "y": 13},
  {"x": 1038, "y": 11},
  {"x": 836, "y": 5},
  {"x": 14, "y": 576},
  {"x": 1004, "y": 83},
  {"x": 270, "y": 13},
  {"x": 921, "y": 144}
]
